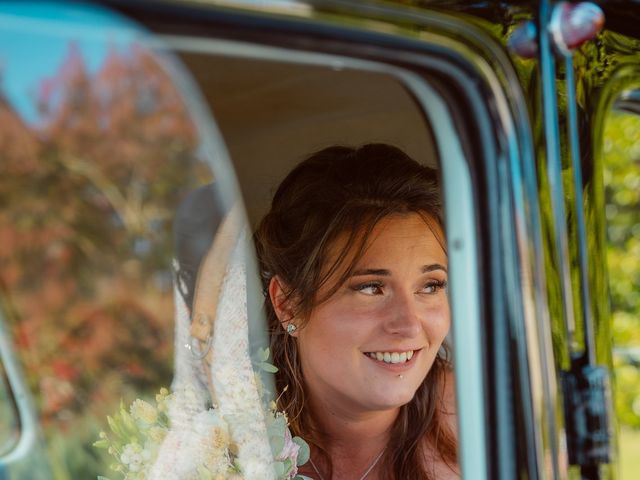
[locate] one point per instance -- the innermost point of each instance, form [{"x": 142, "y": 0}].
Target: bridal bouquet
[
  {"x": 138, "y": 432},
  {"x": 181, "y": 435}
]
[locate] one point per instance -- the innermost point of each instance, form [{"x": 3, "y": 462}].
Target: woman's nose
[{"x": 403, "y": 318}]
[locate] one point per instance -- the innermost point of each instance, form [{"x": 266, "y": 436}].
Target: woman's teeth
[{"x": 389, "y": 357}]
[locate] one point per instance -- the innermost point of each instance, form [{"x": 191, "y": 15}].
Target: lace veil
[{"x": 217, "y": 329}]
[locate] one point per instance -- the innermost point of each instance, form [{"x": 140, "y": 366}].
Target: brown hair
[{"x": 335, "y": 192}]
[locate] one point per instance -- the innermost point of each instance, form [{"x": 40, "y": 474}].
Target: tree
[{"x": 88, "y": 196}]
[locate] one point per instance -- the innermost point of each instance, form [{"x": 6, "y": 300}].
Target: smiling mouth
[{"x": 392, "y": 358}]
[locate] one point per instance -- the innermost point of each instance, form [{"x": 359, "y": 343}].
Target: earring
[
  {"x": 194, "y": 348},
  {"x": 291, "y": 328}
]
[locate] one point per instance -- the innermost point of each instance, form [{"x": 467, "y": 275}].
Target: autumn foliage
[{"x": 88, "y": 193}]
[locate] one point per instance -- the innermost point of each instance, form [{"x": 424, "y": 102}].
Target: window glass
[
  {"x": 98, "y": 155},
  {"x": 274, "y": 110},
  {"x": 277, "y": 107},
  {"x": 129, "y": 284}
]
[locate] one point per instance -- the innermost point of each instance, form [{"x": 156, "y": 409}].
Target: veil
[{"x": 213, "y": 368}]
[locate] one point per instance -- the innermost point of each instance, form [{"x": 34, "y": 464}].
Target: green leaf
[
  {"x": 103, "y": 443},
  {"x": 163, "y": 419},
  {"x": 304, "y": 453},
  {"x": 277, "y": 444},
  {"x": 236, "y": 467},
  {"x": 263, "y": 354},
  {"x": 100, "y": 477},
  {"x": 277, "y": 427},
  {"x": 267, "y": 367},
  {"x": 115, "y": 428},
  {"x": 128, "y": 421},
  {"x": 279, "y": 468}
]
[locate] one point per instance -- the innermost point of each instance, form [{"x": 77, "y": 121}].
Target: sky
[{"x": 35, "y": 38}]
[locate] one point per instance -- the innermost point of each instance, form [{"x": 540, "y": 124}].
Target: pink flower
[{"x": 289, "y": 452}]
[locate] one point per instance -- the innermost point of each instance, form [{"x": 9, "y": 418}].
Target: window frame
[
  {"x": 500, "y": 202},
  {"x": 505, "y": 188}
]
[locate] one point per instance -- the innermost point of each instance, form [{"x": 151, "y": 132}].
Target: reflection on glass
[
  {"x": 97, "y": 153},
  {"x": 9, "y": 423}
]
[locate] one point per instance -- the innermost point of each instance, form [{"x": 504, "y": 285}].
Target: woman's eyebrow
[
  {"x": 372, "y": 271},
  {"x": 386, "y": 273},
  {"x": 432, "y": 267}
]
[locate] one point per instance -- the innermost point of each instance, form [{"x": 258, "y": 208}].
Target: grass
[{"x": 629, "y": 454}]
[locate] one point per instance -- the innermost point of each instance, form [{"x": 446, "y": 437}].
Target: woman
[{"x": 354, "y": 268}]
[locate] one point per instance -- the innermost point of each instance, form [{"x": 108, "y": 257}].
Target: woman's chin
[{"x": 391, "y": 398}]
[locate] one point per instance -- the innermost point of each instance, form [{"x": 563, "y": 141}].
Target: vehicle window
[
  {"x": 279, "y": 111},
  {"x": 98, "y": 153},
  {"x": 275, "y": 107},
  {"x": 127, "y": 241}
]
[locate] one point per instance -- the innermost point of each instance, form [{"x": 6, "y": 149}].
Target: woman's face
[{"x": 370, "y": 346}]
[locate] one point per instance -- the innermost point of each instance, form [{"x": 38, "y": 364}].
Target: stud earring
[{"x": 291, "y": 328}]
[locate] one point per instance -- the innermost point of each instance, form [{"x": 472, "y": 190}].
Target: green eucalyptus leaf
[
  {"x": 277, "y": 426},
  {"x": 304, "y": 453},
  {"x": 267, "y": 367},
  {"x": 277, "y": 444},
  {"x": 279, "y": 468},
  {"x": 263, "y": 354}
]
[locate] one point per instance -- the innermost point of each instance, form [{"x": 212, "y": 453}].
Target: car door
[{"x": 121, "y": 117}]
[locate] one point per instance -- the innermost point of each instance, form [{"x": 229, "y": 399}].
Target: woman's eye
[
  {"x": 369, "y": 288},
  {"x": 434, "y": 286}
]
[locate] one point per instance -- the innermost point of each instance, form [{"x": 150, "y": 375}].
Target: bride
[{"x": 354, "y": 267}]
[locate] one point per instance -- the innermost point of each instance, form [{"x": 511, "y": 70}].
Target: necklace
[{"x": 364, "y": 475}]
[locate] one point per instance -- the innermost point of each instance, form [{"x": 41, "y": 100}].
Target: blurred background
[
  {"x": 92, "y": 172},
  {"x": 622, "y": 192}
]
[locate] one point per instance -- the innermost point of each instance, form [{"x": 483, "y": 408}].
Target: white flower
[
  {"x": 141, "y": 410},
  {"x": 127, "y": 451},
  {"x": 132, "y": 457},
  {"x": 204, "y": 422},
  {"x": 162, "y": 399}
]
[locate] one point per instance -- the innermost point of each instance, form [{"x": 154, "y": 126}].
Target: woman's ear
[{"x": 282, "y": 306}]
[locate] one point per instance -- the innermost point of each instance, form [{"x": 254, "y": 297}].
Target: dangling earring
[
  {"x": 194, "y": 347},
  {"x": 291, "y": 328}
]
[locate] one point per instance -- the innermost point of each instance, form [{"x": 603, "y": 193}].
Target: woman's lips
[{"x": 395, "y": 367}]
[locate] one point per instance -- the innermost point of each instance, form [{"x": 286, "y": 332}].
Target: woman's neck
[{"x": 352, "y": 438}]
